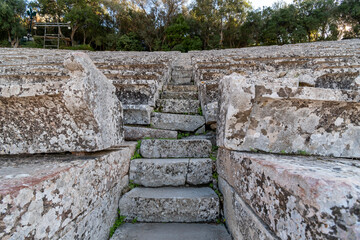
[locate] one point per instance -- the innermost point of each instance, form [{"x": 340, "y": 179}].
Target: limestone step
[
  {"x": 181, "y": 88},
  {"x": 138, "y": 133},
  {"x": 171, "y": 172},
  {"x": 173, "y": 231},
  {"x": 181, "y": 148},
  {"x": 179, "y": 122},
  {"x": 179, "y": 95},
  {"x": 137, "y": 114},
  {"x": 170, "y": 204},
  {"x": 178, "y": 105}
]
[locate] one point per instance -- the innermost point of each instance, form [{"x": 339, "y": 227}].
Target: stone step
[
  {"x": 179, "y": 95},
  {"x": 173, "y": 231},
  {"x": 170, "y": 204},
  {"x": 181, "y": 88},
  {"x": 178, "y": 106},
  {"x": 179, "y": 122},
  {"x": 137, "y": 114},
  {"x": 171, "y": 172},
  {"x": 138, "y": 133},
  {"x": 182, "y": 148}
]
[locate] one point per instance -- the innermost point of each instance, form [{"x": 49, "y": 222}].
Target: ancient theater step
[
  {"x": 137, "y": 114},
  {"x": 178, "y": 106},
  {"x": 173, "y": 231},
  {"x": 171, "y": 172},
  {"x": 179, "y": 122},
  {"x": 181, "y": 148},
  {"x": 138, "y": 133},
  {"x": 170, "y": 204},
  {"x": 181, "y": 88},
  {"x": 179, "y": 95}
]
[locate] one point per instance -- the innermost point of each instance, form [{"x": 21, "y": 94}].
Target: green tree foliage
[
  {"x": 12, "y": 15},
  {"x": 153, "y": 25}
]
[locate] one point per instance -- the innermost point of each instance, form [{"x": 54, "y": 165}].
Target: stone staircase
[{"x": 172, "y": 199}]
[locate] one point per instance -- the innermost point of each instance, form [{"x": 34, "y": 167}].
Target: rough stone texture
[
  {"x": 297, "y": 197},
  {"x": 180, "y": 122},
  {"x": 178, "y": 106},
  {"x": 179, "y": 95},
  {"x": 173, "y": 231},
  {"x": 209, "y": 96},
  {"x": 280, "y": 118},
  {"x": 182, "y": 70},
  {"x": 209, "y": 135},
  {"x": 161, "y": 148},
  {"x": 140, "y": 92},
  {"x": 137, "y": 133},
  {"x": 61, "y": 196},
  {"x": 80, "y": 113},
  {"x": 181, "y": 88},
  {"x": 170, "y": 204},
  {"x": 137, "y": 114},
  {"x": 241, "y": 221},
  {"x": 171, "y": 172},
  {"x": 199, "y": 171}
]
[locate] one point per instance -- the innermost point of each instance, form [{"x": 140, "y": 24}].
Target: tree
[{"x": 11, "y": 20}]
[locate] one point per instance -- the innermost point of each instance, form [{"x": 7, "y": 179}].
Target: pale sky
[{"x": 268, "y": 3}]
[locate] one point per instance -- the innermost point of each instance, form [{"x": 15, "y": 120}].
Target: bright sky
[{"x": 268, "y": 3}]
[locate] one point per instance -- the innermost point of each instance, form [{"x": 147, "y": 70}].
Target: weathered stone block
[
  {"x": 181, "y": 88},
  {"x": 171, "y": 172},
  {"x": 179, "y": 95},
  {"x": 240, "y": 219},
  {"x": 159, "y": 172},
  {"x": 178, "y": 105},
  {"x": 80, "y": 113},
  {"x": 173, "y": 231},
  {"x": 179, "y": 122},
  {"x": 137, "y": 114},
  {"x": 161, "y": 148},
  {"x": 209, "y": 95},
  {"x": 182, "y": 70},
  {"x": 138, "y": 133},
  {"x": 169, "y": 204},
  {"x": 297, "y": 197},
  {"x": 61, "y": 196},
  {"x": 137, "y": 93},
  {"x": 199, "y": 171},
  {"x": 288, "y": 119}
]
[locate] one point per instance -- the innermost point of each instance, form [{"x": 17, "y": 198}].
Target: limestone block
[
  {"x": 181, "y": 88},
  {"x": 80, "y": 113},
  {"x": 240, "y": 219},
  {"x": 171, "y": 172},
  {"x": 137, "y": 114},
  {"x": 180, "y": 122},
  {"x": 170, "y": 204},
  {"x": 138, "y": 133},
  {"x": 139, "y": 93},
  {"x": 179, "y": 95},
  {"x": 159, "y": 172},
  {"x": 163, "y": 148},
  {"x": 297, "y": 197},
  {"x": 209, "y": 96},
  {"x": 181, "y": 70},
  {"x": 61, "y": 195},
  {"x": 178, "y": 106},
  {"x": 275, "y": 118},
  {"x": 199, "y": 171},
  {"x": 173, "y": 231}
]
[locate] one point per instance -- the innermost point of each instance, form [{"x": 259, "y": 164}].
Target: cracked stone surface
[
  {"x": 61, "y": 195},
  {"x": 288, "y": 119},
  {"x": 171, "y": 172},
  {"x": 178, "y": 105},
  {"x": 137, "y": 114},
  {"x": 80, "y": 113},
  {"x": 162, "y": 148},
  {"x": 297, "y": 197},
  {"x": 169, "y": 204},
  {"x": 179, "y": 122},
  {"x": 138, "y": 133}
]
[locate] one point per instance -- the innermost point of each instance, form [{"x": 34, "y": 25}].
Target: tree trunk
[{"x": 73, "y": 31}]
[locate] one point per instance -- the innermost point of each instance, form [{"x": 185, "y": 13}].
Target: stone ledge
[
  {"x": 48, "y": 196},
  {"x": 297, "y": 196}
]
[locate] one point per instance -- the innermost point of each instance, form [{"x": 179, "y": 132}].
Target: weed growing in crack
[
  {"x": 137, "y": 151},
  {"x": 132, "y": 185},
  {"x": 120, "y": 220}
]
